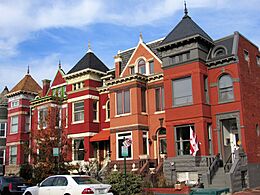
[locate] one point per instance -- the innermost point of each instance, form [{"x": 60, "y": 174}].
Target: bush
[
  {"x": 133, "y": 183},
  {"x": 26, "y": 171}
]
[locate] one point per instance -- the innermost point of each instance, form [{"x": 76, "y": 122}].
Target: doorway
[{"x": 230, "y": 139}]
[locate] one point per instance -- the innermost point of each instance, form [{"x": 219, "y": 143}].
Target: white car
[{"x": 69, "y": 185}]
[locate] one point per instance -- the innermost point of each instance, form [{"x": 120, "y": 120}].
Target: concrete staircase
[{"x": 220, "y": 179}]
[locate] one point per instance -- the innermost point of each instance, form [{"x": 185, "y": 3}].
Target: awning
[{"x": 101, "y": 136}]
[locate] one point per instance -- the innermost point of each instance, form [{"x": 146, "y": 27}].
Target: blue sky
[{"x": 40, "y": 33}]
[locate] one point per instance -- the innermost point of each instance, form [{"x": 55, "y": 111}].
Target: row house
[
  {"x": 3, "y": 128},
  {"x": 160, "y": 95}
]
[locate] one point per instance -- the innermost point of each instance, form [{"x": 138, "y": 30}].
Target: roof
[
  {"x": 101, "y": 136},
  {"x": 27, "y": 84},
  {"x": 90, "y": 60},
  {"x": 184, "y": 29},
  {"x": 126, "y": 55},
  {"x": 3, "y": 99}
]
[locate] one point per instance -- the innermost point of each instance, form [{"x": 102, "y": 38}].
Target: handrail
[
  {"x": 144, "y": 168},
  {"x": 159, "y": 168},
  {"x": 213, "y": 167},
  {"x": 105, "y": 163},
  {"x": 228, "y": 162}
]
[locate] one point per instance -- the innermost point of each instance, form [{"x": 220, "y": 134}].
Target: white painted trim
[
  {"x": 60, "y": 85},
  {"x": 13, "y": 143},
  {"x": 148, "y": 49},
  {"x": 83, "y": 98},
  {"x": 80, "y": 135}
]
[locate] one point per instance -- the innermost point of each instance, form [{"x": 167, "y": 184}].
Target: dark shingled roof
[
  {"x": 90, "y": 60},
  {"x": 186, "y": 28},
  {"x": 126, "y": 55}
]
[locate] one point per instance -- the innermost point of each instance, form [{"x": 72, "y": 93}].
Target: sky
[{"x": 41, "y": 33}]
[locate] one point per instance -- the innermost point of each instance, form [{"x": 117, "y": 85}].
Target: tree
[{"x": 49, "y": 134}]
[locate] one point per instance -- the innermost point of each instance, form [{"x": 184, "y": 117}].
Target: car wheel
[
  {"x": 66, "y": 194},
  {"x": 28, "y": 193}
]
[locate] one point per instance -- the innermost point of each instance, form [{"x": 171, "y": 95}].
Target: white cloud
[{"x": 20, "y": 19}]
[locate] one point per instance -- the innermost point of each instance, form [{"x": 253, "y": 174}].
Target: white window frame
[
  {"x": 145, "y": 136},
  {"x": 107, "y": 111},
  {"x": 27, "y": 123},
  {"x": 118, "y": 137},
  {"x": 73, "y": 112},
  {"x": 44, "y": 118},
  {"x": 73, "y": 149},
  {"x": 14, "y": 103},
  {"x": 96, "y": 111},
  {"x": 5, "y": 128},
  {"x": 12, "y": 156},
  {"x": 225, "y": 89},
  {"x": 12, "y": 125}
]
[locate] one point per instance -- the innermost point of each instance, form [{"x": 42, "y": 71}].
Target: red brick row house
[{"x": 158, "y": 95}]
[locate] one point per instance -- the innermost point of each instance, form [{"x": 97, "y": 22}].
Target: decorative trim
[
  {"x": 129, "y": 128},
  {"x": 80, "y": 135},
  {"x": 83, "y": 98}
]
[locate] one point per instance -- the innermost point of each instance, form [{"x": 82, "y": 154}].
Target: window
[
  {"x": 13, "y": 155},
  {"x": 180, "y": 58},
  {"x": 162, "y": 141},
  {"x": 123, "y": 102},
  {"x": 78, "y": 149},
  {"x": 257, "y": 130},
  {"x": 14, "y": 104},
  {"x": 3, "y": 127},
  {"x": 206, "y": 89},
  {"x": 48, "y": 182},
  {"x": 14, "y": 124},
  {"x": 77, "y": 86},
  {"x": 159, "y": 99},
  {"x": 183, "y": 140},
  {"x": 27, "y": 123},
  {"x": 141, "y": 67},
  {"x": 143, "y": 99},
  {"x": 42, "y": 118},
  {"x": 78, "y": 111},
  {"x": 246, "y": 55},
  {"x": 225, "y": 88},
  {"x": 220, "y": 52},
  {"x": 108, "y": 110},
  {"x": 182, "y": 91},
  {"x": 95, "y": 110},
  {"x": 210, "y": 139},
  {"x": 60, "y": 181},
  {"x": 258, "y": 60},
  {"x": 145, "y": 143},
  {"x": 132, "y": 70},
  {"x": 2, "y": 157},
  {"x": 120, "y": 139},
  {"x": 151, "y": 67}
]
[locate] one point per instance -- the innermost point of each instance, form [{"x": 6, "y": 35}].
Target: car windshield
[
  {"x": 85, "y": 180},
  {"x": 14, "y": 179}
]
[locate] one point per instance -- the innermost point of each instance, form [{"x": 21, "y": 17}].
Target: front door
[
  {"x": 230, "y": 139},
  {"x": 162, "y": 144}
]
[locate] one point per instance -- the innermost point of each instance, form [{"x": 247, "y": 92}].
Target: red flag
[{"x": 194, "y": 147}]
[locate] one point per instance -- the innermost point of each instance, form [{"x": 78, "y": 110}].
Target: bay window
[
  {"x": 123, "y": 101},
  {"x": 78, "y": 111},
  {"x": 182, "y": 91}
]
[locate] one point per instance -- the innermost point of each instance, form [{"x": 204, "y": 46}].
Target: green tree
[{"x": 117, "y": 180}]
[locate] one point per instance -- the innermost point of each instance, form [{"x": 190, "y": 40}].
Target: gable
[
  {"x": 58, "y": 79},
  {"x": 144, "y": 52}
]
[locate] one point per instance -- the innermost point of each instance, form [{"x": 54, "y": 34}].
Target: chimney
[
  {"x": 118, "y": 65},
  {"x": 45, "y": 86}
]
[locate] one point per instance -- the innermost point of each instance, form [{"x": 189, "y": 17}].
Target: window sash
[
  {"x": 183, "y": 140},
  {"x": 78, "y": 111},
  {"x": 78, "y": 150},
  {"x": 13, "y": 154},
  {"x": 14, "y": 124},
  {"x": 151, "y": 67},
  {"x": 42, "y": 118},
  {"x": 123, "y": 102},
  {"x": 182, "y": 91},
  {"x": 143, "y": 100},
  {"x": 159, "y": 99},
  {"x": 3, "y": 129},
  {"x": 95, "y": 110}
]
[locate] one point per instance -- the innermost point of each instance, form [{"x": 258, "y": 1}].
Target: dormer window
[
  {"x": 219, "y": 51},
  {"x": 258, "y": 60},
  {"x": 141, "y": 67}
]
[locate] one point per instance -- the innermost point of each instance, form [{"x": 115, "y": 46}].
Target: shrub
[{"x": 117, "y": 180}]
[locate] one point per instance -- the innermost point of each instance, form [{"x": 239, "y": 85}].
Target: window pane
[
  {"x": 14, "y": 125},
  {"x": 141, "y": 67},
  {"x": 143, "y": 100},
  {"x": 158, "y": 99},
  {"x": 151, "y": 67},
  {"x": 126, "y": 101},
  {"x": 183, "y": 140},
  {"x": 182, "y": 91},
  {"x": 226, "y": 88},
  {"x": 225, "y": 81},
  {"x": 119, "y": 103}
]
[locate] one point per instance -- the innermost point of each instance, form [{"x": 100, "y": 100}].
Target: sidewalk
[{"x": 249, "y": 191}]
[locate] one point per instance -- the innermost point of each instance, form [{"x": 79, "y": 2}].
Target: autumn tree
[{"x": 49, "y": 136}]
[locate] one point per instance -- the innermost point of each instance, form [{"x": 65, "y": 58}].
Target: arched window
[
  {"x": 141, "y": 67},
  {"x": 225, "y": 86},
  {"x": 108, "y": 110},
  {"x": 219, "y": 51}
]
